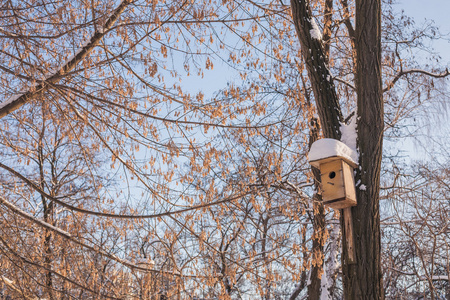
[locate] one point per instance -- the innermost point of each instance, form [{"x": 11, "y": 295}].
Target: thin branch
[
  {"x": 68, "y": 236},
  {"x": 345, "y": 82},
  {"x": 117, "y": 216},
  {"x": 413, "y": 71},
  {"x": 347, "y": 21},
  {"x": 25, "y": 260},
  {"x": 9, "y": 283},
  {"x": 16, "y": 101}
]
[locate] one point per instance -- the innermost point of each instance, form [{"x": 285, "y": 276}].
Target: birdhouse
[{"x": 336, "y": 162}]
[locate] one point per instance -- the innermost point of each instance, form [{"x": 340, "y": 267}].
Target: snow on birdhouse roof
[{"x": 330, "y": 148}]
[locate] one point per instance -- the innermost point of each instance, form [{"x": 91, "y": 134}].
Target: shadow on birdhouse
[{"x": 336, "y": 162}]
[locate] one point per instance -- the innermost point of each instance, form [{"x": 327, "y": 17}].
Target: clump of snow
[
  {"x": 10, "y": 100},
  {"x": 349, "y": 133},
  {"x": 440, "y": 277},
  {"x": 145, "y": 261},
  {"x": 7, "y": 281},
  {"x": 325, "y": 148},
  {"x": 362, "y": 187},
  {"x": 315, "y": 31},
  {"x": 2, "y": 30},
  {"x": 324, "y": 294}
]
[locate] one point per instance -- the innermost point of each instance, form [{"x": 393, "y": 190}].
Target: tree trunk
[
  {"x": 363, "y": 280},
  {"x": 315, "y": 279},
  {"x": 48, "y": 213},
  {"x": 315, "y": 288},
  {"x": 315, "y": 59}
]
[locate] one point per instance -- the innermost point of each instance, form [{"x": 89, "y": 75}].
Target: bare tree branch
[
  {"x": 68, "y": 236},
  {"x": 16, "y": 101},
  {"x": 117, "y": 216},
  {"x": 413, "y": 71}
]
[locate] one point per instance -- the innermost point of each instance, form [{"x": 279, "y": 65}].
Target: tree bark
[
  {"x": 316, "y": 273},
  {"x": 363, "y": 280},
  {"x": 315, "y": 277},
  {"x": 316, "y": 58},
  {"x": 318, "y": 249},
  {"x": 321, "y": 80}
]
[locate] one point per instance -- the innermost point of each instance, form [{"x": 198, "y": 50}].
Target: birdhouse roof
[{"x": 327, "y": 149}]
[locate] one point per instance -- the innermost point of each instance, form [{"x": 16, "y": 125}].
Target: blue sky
[{"x": 437, "y": 10}]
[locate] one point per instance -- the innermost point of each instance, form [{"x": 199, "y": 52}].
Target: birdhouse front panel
[
  {"x": 332, "y": 181},
  {"x": 338, "y": 185}
]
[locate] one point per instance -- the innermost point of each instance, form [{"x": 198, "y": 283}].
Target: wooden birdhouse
[{"x": 336, "y": 162}]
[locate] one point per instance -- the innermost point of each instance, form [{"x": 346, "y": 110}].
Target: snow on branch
[
  {"x": 315, "y": 31},
  {"x": 441, "y": 277},
  {"x": 8, "y": 282},
  {"x": 350, "y": 134},
  {"x": 17, "y": 100}
]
